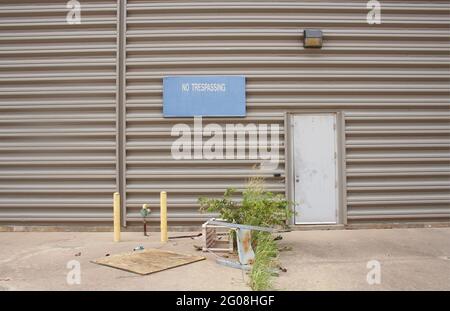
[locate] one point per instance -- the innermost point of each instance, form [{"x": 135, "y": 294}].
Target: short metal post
[{"x": 116, "y": 199}]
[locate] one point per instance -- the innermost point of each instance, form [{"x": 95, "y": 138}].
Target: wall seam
[{"x": 121, "y": 106}]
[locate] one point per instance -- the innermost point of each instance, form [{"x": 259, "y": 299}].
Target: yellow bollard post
[
  {"x": 163, "y": 215},
  {"x": 116, "y": 198}
]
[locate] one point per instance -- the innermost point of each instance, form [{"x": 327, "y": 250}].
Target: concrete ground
[{"x": 410, "y": 259}]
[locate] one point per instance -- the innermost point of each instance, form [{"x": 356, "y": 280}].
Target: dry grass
[{"x": 261, "y": 275}]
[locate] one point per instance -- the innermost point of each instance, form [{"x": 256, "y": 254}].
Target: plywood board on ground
[{"x": 147, "y": 261}]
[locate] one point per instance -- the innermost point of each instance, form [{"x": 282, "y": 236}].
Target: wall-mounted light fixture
[{"x": 312, "y": 38}]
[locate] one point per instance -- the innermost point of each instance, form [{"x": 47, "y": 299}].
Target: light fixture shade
[{"x": 312, "y": 38}]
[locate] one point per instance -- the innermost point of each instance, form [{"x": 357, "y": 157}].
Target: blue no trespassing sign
[{"x": 205, "y": 96}]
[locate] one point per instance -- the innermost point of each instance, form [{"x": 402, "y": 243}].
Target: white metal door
[{"x": 315, "y": 170}]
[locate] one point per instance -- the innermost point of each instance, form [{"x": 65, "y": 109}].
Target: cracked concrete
[{"x": 410, "y": 259}]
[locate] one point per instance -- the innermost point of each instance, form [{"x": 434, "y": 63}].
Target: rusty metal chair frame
[{"x": 243, "y": 238}]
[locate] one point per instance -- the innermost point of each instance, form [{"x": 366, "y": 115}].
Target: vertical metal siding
[
  {"x": 370, "y": 72},
  {"x": 57, "y": 112}
]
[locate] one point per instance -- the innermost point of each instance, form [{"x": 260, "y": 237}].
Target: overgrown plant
[{"x": 258, "y": 207}]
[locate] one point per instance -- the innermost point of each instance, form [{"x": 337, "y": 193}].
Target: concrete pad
[{"x": 410, "y": 259}]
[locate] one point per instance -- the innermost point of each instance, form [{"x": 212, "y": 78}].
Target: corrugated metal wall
[
  {"x": 389, "y": 80},
  {"x": 57, "y": 112},
  {"x": 402, "y": 63},
  {"x": 398, "y": 165}
]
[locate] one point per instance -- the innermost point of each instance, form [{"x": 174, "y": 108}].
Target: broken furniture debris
[
  {"x": 243, "y": 239},
  {"x": 216, "y": 237}
]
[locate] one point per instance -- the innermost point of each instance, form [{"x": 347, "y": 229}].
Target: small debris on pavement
[
  {"x": 198, "y": 247},
  {"x": 138, "y": 248},
  {"x": 106, "y": 255},
  {"x": 185, "y": 236},
  {"x": 285, "y": 248},
  {"x": 5, "y": 279},
  {"x": 277, "y": 238},
  {"x": 78, "y": 254}
]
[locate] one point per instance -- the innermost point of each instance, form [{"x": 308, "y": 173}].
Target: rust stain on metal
[{"x": 246, "y": 242}]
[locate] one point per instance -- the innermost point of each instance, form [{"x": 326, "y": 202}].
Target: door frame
[{"x": 340, "y": 161}]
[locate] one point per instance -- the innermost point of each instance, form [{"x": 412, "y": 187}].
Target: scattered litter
[
  {"x": 147, "y": 261},
  {"x": 198, "y": 247},
  {"x": 5, "y": 279},
  {"x": 282, "y": 268},
  {"x": 186, "y": 236},
  {"x": 277, "y": 238},
  {"x": 285, "y": 248},
  {"x": 138, "y": 248},
  {"x": 106, "y": 255},
  {"x": 78, "y": 254}
]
